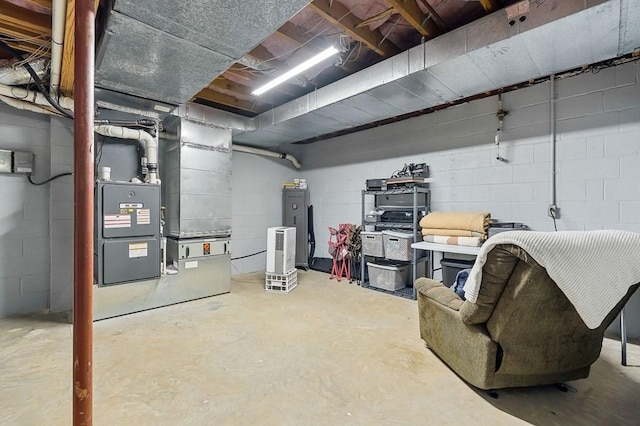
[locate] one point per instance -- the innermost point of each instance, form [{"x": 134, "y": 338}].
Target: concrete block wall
[
  {"x": 61, "y": 215},
  {"x": 598, "y": 153},
  {"x": 256, "y": 205},
  {"x": 24, "y": 216}
]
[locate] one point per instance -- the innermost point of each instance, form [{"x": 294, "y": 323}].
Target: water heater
[{"x": 281, "y": 250}]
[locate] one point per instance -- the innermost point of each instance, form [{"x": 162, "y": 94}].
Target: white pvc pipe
[
  {"x": 150, "y": 143},
  {"x": 33, "y": 97},
  {"x": 266, "y": 153},
  {"x": 27, "y": 106},
  {"x": 58, "y": 18}
]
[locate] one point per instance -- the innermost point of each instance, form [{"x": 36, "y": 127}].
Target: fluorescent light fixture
[{"x": 297, "y": 70}]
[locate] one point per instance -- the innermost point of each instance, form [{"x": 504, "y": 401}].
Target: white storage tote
[
  {"x": 387, "y": 276},
  {"x": 397, "y": 245},
  {"x": 372, "y": 244}
]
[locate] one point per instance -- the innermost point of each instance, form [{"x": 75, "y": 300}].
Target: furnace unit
[{"x": 127, "y": 243}]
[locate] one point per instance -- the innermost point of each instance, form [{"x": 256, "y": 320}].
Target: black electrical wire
[
  {"x": 48, "y": 180},
  {"x": 553, "y": 216},
  {"x": 36, "y": 79},
  {"x": 249, "y": 255}
]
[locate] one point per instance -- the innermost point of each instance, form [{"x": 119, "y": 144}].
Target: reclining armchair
[{"x": 521, "y": 331}]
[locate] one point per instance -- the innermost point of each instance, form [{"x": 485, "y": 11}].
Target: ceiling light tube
[{"x": 297, "y": 70}]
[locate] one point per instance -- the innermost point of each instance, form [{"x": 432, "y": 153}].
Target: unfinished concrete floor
[{"x": 328, "y": 353}]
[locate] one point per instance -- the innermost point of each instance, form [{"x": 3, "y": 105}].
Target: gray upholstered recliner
[{"x": 522, "y": 330}]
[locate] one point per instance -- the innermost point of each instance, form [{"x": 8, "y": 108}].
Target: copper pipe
[{"x": 83, "y": 214}]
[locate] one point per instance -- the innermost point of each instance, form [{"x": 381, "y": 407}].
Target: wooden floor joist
[{"x": 338, "y": 15}]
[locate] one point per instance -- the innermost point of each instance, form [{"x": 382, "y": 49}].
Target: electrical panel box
[
  {"x": 127, "y": 221},
  {"x": 17, "y": 162}
]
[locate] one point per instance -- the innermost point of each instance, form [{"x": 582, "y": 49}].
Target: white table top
[{"x": 446, "y": 248}]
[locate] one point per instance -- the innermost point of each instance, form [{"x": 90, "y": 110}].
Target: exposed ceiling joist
[
  {"x": 24, "y": 18},
  {"x": 43, "y": 3},
  {"x": 262, "y": 54},
  {"x": 21, "y": 33},
  {"x": 228, "y": 100},
  {"x": 28, "y": 47},
  {"x": 411, "y": 12},
  {"x": 231, "y": 88},
  {"x": 295, "y": 35},
  {"x": 67, "y": 75},
  {"x": 435, "y": 15},
  {"x": 490, "y": 5},
  {"x": 341, "y": 17},
  {"x": 377, "y": 17}
]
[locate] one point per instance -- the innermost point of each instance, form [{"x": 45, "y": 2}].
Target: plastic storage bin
[
  {"x": 388, "y": 275},
  {"x": 451, "y": 267},
  {"x": 397, "y": 245},
  {"x": 372, "y": 244}
]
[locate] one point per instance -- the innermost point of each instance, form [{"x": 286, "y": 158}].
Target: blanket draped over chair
[{"x": 576, "y": 261}]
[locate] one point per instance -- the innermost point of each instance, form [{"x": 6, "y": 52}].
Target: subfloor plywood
[{"x": 327, "y": 353}]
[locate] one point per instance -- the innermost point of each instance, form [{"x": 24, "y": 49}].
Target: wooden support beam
[
  {"x": 490, "y": 5},
  {"x": 341, "y": 17},
  {"x": 224, "y": 99},
  {"x": 411, "y": 12},
  {"x": 67, "y": 74},
  {"x": 24, "y": 18}
]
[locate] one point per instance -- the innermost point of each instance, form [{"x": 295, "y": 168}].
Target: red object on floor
[{"x": 339, "y": 251}]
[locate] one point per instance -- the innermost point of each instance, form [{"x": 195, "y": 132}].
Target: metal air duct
[
  {"x": 168, "y": 50},
  {"x": 528, "y": 40}
]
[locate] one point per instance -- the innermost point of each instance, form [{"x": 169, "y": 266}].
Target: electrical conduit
[{"x": 552, "y": 189}]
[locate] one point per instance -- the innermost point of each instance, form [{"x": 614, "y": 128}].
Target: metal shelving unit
[{"x": 414, "y": 226}]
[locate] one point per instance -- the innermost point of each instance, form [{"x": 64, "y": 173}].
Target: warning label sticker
[
  {"x": 117, "y": 221},
  {"x": 138, "y": 249},
  {"x": 143, "y": 217}
]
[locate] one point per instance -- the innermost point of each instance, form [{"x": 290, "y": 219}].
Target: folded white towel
[{"x": 594, "y": 269}]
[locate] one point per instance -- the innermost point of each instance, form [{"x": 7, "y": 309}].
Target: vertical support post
[
  {"x": 362, "y": 218},
  {"x": 414, "y": 262},
  {"x": 83, "y": 214}
]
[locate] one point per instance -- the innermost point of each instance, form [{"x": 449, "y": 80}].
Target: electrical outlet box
[
  {"x": 20, "y": 162},
  {"x": 6, "y": 161},
  {"x": 23, "y": 162}
]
